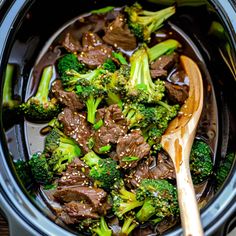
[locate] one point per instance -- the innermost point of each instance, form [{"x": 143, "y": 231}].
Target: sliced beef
[
  {"x": 95, "y": 56},
  {"x": 119, "y": 35},
  {"x": 67, "y": 99},
  {"x": 76, "y": 127},
  {"x": 94, "y": 196},
  {"x": 115, "y": 126},
  {"x": 90, "y": 39},
  {"x": 131, "y": 145},
  {"x": 176, "y": 93},
  {"x": 70, "y": 43},
  {"x": 76, "y": 173},
  {"x": 162, "y": 65},
  {"x": 139, "y": 173},
  {"x": 164, "y": 168}
]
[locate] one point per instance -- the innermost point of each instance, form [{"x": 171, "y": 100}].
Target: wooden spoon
[{"x": 177, "y": 142}]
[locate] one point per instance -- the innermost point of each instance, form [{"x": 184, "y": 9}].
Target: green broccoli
[
  {"x": 103, "y": 171},
  {"x": 69, "y": 62},
  {"x": 40, "y": 168},
  {"x": 62, "y": 150},
  {"x": 109, "y": 65},
  {"x": 123, "y": 200},
  {"x": 39, "y": 107},
  {"x": 166, "y": 47},
  {"x": 129, "y": 225},
  {"x": 93, "y": 96},
  {"x": 140, "y": 86},
  {"x": 23, "y": 171},
  {"x": 224, "y": 169},
  {"x": 160, "y": 199},
  {"x": 143, "y": 23},
  {"x": 201, "y": 164},
  {"x": 103, "y": 229},
  {"x": 120, "y": 58},
  {"x": 8, "y": 102}
]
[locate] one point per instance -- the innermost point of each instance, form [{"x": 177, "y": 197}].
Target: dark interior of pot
[{"x": 36, "y": 29}]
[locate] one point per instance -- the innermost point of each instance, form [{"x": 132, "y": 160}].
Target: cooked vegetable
[
  {"x": 62, "y": 150},
  {"x": 103, "y": 229},
  {"x": 140, "y": 86},
  {"x": 160, "y": 200},
  {"x": 129, "y": 225},
  {"x": 201, "y": 164},
  {"x": 124, "y": 201},
  {"x": 103, "y": 171},
  {"x": 23, "y": 172},
  {"x": 143, "y": 23},
  {"x": 40, "y": 168},
  {"x": 40, "y": 107}
]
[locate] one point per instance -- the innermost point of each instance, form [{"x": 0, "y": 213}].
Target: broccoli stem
[
  {"x": 103, "y": 230},
  {"x": 128, "y": 226},
  {"x": 7, "y": 90},
  {"x": 126, "y": 207},
  {"x": 127, "y": 194},
  {"x": 43, "y": 88},
  {"x": 164, "y": 104},
  {"x": 147, "y": 211},
  {"x": 165, "y": 47},
  {"x": 91, "y": 159},
  {"x": 92, "y": 105}
]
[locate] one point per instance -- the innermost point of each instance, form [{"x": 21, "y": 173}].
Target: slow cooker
[{"x": 25, "y": 27}]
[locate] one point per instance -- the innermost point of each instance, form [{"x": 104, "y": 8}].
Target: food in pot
[{"x": 108, "y": 99}]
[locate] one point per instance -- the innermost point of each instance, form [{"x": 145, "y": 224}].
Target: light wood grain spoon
[{"x": 177, "y": 142}]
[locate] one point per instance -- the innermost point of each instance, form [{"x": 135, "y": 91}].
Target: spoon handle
[{"x": 190, "y": 217}]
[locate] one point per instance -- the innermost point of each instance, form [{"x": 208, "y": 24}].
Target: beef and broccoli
[{"x": 107, "y": 100}]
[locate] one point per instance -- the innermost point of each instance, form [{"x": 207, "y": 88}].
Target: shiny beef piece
[
  {"x": 131, "y": 145},
  {"x": 76, "y": 173},
  {"x": 67, "y": 99},
  {"x": 95, "y": 56},
  {"x": 90, "y": 40},
  {"x": 76, "y": 127},
  {"x": 176, "y": 93},
  {"x": 70, "y": 43},
  {"x": 164, "y": 168},
  {"x": 162, "y": 65},
  {"x": 119, "y": 35},
  {"x": 96, "y": 197},
  {"x": 114, "y": 127}
]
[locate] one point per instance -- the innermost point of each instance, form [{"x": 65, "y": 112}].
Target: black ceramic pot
[{"x": 25, "y": 27}]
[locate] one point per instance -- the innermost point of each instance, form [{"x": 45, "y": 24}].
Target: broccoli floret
[
  {"x": 109, "y": 65},
  {"x": 103, "y": 229},
  {"x": 103, "y": 171},
  {"x": 69, "y": 62},
  {"x": 160, "y": 199},
  {"x": 143, "y": 23},
  {"x": 92, "y": 95},
  {"x": 8, "y": 102},
  {"x": 123, "y": 200},
  {"x": 62, "y": 150},
  {"x": 40, "y": 168},
  {"x": 224, "y": 169},
  {"x": 23, "y": 172},
  {"x": 140, "y": 86},
  {"x": 201, "y": 164},
  {"x": 129, "y": 225},
  {"x": 39, "y": 107},
  {"x": 166, "y": 47}
]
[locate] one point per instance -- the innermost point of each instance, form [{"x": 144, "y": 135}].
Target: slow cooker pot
[{"x": 25, "y": 27}]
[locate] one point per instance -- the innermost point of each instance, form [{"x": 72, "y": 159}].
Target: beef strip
[
  {"x": 76, "y": 127},
  {"x": 131, "y": 145},
  {"x": 94, "y": 196},
  {"x": 119, "y": 35},
  {"x": 115, "y": 126},
  {"x": 161, "y": 66},
  {"x": 164, "y": 168},
  {"x": 76, "y": 173},
  {"x": 90, "y": 39},
  {"x": 139, "y": 173},
  {"x": 176, "y": 93},
  {"x": 95, "y": 56},
  {"x": 70, "y": 43},
  {"x": 67, "y": 99}
]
